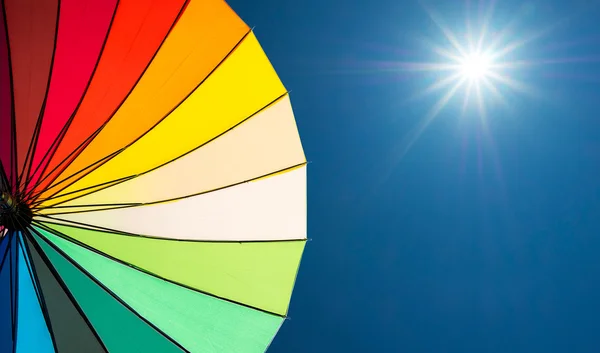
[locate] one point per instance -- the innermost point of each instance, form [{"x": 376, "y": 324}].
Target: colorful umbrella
[{"x": 153, "y": 182}]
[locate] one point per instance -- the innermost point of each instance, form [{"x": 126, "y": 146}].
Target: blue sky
[{"x": 484, "y": 235}]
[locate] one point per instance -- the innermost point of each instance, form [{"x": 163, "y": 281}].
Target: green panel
[
  {"x": 71, "y": 333},
  {"x": 258, "y": 274},
  {"x": 199, "y": 322},
  {"x": 119, "y": 328}
]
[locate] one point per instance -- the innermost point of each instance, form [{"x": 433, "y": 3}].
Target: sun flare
[
  {"x": 479, "y": 68},
  {"x": 477, "y": 63},
  {"x": 476, "y": 66}
]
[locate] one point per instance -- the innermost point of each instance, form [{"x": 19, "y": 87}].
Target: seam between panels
[
  {"x": 13, "y": 136},
  {"x": 130, "y": 205},
  {"x": 60, "y": 135},
  {"x": 37, "y": 293},
  {"x": 63, "y": 286},
  {"x": 109, "y": 184},
  {"x": 111, "y": 293},
  {"x": 4, "y": 181},
  {"x": 38, "y": 123},
  {"x": 6, "y": 252},
  {"x": 38, "y": 289},
  {"x": 105, "y": 185},
  {"x": 15, "y": 284},
  {"x": 107, "y": 256},
  {"x": 84, "y": 226},
  {"x": 54, "y": 146},
  {"x": 77, "y": 151},
  {"x": 105, "y": 159}
]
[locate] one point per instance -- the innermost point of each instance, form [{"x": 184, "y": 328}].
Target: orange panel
[{"x": 206, "y": 32}]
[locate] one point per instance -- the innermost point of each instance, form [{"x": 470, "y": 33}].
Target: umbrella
[{"x": 153, "y": 181}]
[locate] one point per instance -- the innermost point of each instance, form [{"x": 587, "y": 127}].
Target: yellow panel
[
  {"x": 241, "y": 86},
  {"x": 265, "y": 143}
]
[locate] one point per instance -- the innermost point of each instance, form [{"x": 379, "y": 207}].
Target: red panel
[
  {"x": 82, "y": 31},
  {"x": 138, "y": 30},
  {"x": 5, "y": 101},
  {"x": 31, "y": 30}
]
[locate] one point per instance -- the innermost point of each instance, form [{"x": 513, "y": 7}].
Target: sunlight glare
[
  {"x": 479, "y": 60},
  {"x": 475, "y": 66}
]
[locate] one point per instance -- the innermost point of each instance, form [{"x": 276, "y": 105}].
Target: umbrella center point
[{"x": 14, "y": 214}]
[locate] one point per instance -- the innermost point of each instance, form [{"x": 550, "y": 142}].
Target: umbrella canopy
[{"x": 152, "y": 179}]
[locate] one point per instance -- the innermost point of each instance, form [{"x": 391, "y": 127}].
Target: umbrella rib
[
  {"x": 38, "y": 291},
  {"x": 37, "y": 294},
  {"x": 4, "y": 182},
  {"x": 85, "y": 171},
  {"x": 63, "y": 286},
  {"x": 107, "y": 290},
  {"x": 96, "y": 251},
  {"x": 43, "y": 219},
  {"x": 38, "y": 125},
  {"x": 6, "y": 251},
  {"x": 118, "y": 181},
  {"x": 42, "y": 107},
  {"x": 80, "y": 225},
  {"x": 54, "y": 146},
  {"x": 88, "y": 170},
  {"x": 51, "y": 150},
  {"x": 8, "y": 254},
  {"x": 13, "y": 137},
  {"x": 97, "y": 163},
  {"x": 137, "y": 204},
  {"x": 14, "y": 167},
  {"x": 103, "y": 185},
  {"x": 13, "y": 293},
  {"x": 92, "y": 75}
]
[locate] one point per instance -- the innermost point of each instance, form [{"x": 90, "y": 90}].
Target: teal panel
[
  {"x": 72, "y": 334},
  {"x": 33, "y": 335},
  {"x": 200, "y": 322},
  {"x": 118, "y": 327},
  {"x": 6, "y": 341}
]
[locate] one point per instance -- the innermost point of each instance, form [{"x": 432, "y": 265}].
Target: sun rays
[
  {"x": 478, "y": 63},
  {"x": 474, "y": 65}
]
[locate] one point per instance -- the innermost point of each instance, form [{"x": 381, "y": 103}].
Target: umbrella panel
[
  {"x": 199, "y": 322},
  {"x": 58, "y": 295},
  {"x": 6, "y": 296},
  {"x": 256, "y": 274},
  {"x": 30, "y": 317},
  {"x": 72, "y": 331},
  {"x": 108, "y": 315}
]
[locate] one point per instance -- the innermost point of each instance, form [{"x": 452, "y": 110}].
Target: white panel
[
  {"x": 264, "y": 144},
  {"x": 273, "y": 208}
]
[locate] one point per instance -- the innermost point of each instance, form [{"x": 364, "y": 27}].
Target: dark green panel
[
  {"x": 120, "y": 329},
  {"x": 71, "y": 332}
]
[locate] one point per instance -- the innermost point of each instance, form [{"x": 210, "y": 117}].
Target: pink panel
[{"x": 82, "y": 31}]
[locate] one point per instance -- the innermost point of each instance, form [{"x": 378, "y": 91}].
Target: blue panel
[
  {"x": 3, "y": 246},
  {"x": 32, "y": 333},
  {"x": 6, "y": 343}
]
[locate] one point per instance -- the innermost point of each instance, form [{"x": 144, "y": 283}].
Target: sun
[
  {"x": 478, "y": 63},
  {"x": 476, "y": 66}
]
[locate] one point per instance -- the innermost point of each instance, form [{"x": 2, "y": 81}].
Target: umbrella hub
[{"x": 14, "y": 214}]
